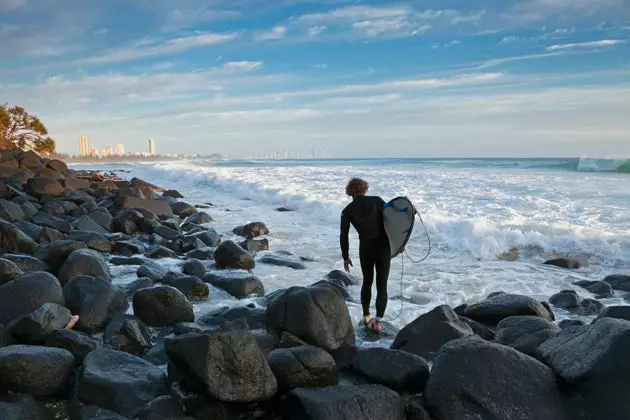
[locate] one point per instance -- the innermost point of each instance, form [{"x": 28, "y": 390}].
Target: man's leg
[
  {"x": 367, "y": 268},
  {"x": 382, "y": 263}
]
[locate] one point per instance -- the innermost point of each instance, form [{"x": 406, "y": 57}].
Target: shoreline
[{"x": 288, "y": 354}]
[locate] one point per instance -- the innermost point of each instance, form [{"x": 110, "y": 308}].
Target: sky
[{"x": 419, "y": 78}]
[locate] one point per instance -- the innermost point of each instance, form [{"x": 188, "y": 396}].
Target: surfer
[{"x": 365, "y": 214}]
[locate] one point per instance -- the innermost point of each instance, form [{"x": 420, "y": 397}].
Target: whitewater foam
[{"x": 604, "y": 165}]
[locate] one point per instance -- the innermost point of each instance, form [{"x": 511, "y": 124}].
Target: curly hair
[{"x": 357, "y": 186}]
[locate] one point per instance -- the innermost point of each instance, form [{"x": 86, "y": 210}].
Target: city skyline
[{"x": 118, "y": 150}]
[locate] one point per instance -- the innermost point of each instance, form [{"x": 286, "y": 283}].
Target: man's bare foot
[
  {"x": 367, "y": 319},
  {"x": 73, "y": 321}
]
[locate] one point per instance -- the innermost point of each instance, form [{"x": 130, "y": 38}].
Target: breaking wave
[{"x": 604, "y": 165}]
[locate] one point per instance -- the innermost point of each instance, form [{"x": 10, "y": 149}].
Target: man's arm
[{"x": 343, "y": 236}]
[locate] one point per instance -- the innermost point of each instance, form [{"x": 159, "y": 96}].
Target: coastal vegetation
[{"x": 24, "y": 131}]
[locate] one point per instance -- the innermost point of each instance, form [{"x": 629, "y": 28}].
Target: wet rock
[
  {"x": 79, "y": 411},
  {"x": 600, "y": 289},
  {"x": 618, "y": 312},
  {"x": 341, "y": 277},
  {"x": 203, "y": 254},
  {"x": 503, "y": 305},
  {"x": 56, "y": 253},
  {"x": 142, "y": 283},
  {"x": 75, "y": 184},
  {"x": 254, "y": 317},
  {"x": 192, "y": 287},
  {"x": 167, "y": 233},
  {"x": 288, "y": 340},
  {"x": 194, "y": 267},
  {"x": 37, "y": 326},
  {"x": 87, "y": 224},
  {"x": 480, "y": 329},
  {"x": 14, "y": 240},
  {"x": 414, "y": 408},
  {"x": 158, "y": 207},
  {"x": 566, "y": 299},
  {"x": 95, "y": 300},
  {"x": 9, "y": 271},
  {"x": 303, "y": 367},
  {"x": 199, "y": 218},
  {"x": 160, "y": 252},
  {"x": 282, "y": 261},
  {"x": 567, "y": 263},
  {"x": 29, "y": 210},
  {"x": 172, "y": 194},
  {"x": 239, "y": 285},
  {"x": 252, "y": 230},
  {"x": 209, "y": 237},
  {"x": 182, "y": 209},
  {"x": 162, "y": 306},
  {"x": 35, "y": 370},
  {"x": 231, "y": 255},
  {"x": 255, "y": 245},
  {"x": 24, "y": 295},
  {"x": 398, "y": 370},
  {"x": 103, "y": 218},
  {"x": 48, "y": 220},
  {"x": 593, "y": 363},
  {"x": 190, "y": 244},
  {"x": 93, "y": 240},
  {"x": 54, "y": 208},
  {"x": 128, "y": 248},
  {"x": 567, "y": 323},
  {"x": 428, "y": 333},
  {"x": 120, "y": 382},
  {"x": 589, "y": 307},
  {"x": 152, "y": 270},
  {"x": 317, "y": 315},
  {"x": 525, "y": 333},
  {"x": 76, "y": 342},
  {"x": 118, "y": 261},
  {"x": 84, "y": 262},
  {"x": 360, "y": 402},
  {"x": 127, "y": 333},
  {"x": 41, "y": 186},
  {"x": 338, "y": 288},
  {"x": 231, "y": 366},
  {"x": 619, "y": 282},
  {"x": 127, "y": 222},
  {"x": 164, "y": 407},
  {"x": 22, "y": 407},
  {"x": 26, "y": 263},
  {"x": 10, "y": 212}
]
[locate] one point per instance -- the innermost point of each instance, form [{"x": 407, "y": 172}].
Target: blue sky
[{"x": 358, "y": 78}]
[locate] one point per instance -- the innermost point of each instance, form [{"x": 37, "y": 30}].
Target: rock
[
  {"x": 567, "y": 263},
  {"x": 22, "y": 407},
  {"x": 93, "y": 240},
  {"x": 190, "y": 244},
  {"x": 41, "y": 186},
  {"x": 194, "y": 267},
  {"x": 192, "y": 287},
  {"x": 76, "y": 342},
  {"x": 79, "y": 411},
  {"x": 10, "y": 212},
  {"x": 303, "y": 367},
  {"x": 398, "y": 370},
  {"x": 84, "y": 262},
  {"x": 172, "y": 194},
  {"x": 118, "y": 261},
  {"x": 182, "y": 209},
  {"x": 56, "y": 253},
  {"x": 414, "y": 408},
  {"x": 127, "y": 333},
  {"x": 164, "y": 407},
  {"x": 209, "y": 237},
  {"x": 619, "y": 312},
  {"x": 35, "y": 370},
  {"x": 127, "y": 221},
  {"x": 568, "y": 323},
  {"x": 152, "y": 270},
  {"x": 525, "y": 333},
  {"x": 48, "y": 220},
  {"x": 238, "y": 285},
  {"x": 54, "y": 208},
  {"x": 592, "y": 361},
  {"x": 103, "y": 218},
  {"x": 283, "y": 209},
  {"x": 428, "y": 333},
  {"x": 37, "y": 326},
  {"x": 27, "y": 294},
  {"x": 600, "y": 289},
  {"x": 231, "y": 255},
  {"x": 203, "y": 254},
  {"x": 589, "y": 307},
  {"x": 282, "y": 261},
  {"x": 29, "y": 210},
  {"x": 566, "y": 299},
  {"x": 500, "y": 306},
  {"x": 9, "y": 271},
  {"x": 479, "y": 329},
  {"x": 255, "y": 245},
  {"x": 357, "y": 402},
  {"x": 95, "y": 300},
  {"x": 160, "y": 252},
  {"x": 619, "y": 282},
  {"x": 199, "y": 218},
  {"x": 252, "y": 230},
  {"x": 341, "y": 277},
  {"x": 128, "y": 248},
  {"x": 162, "y": 306},
  {"x": 317, "y": 315},
  {"x": 167, "y": 233},
  {"x": 159, "y": 208},
  {"x": 75, "y": 184},
  {"x": 339, "y": 288},
  {"x": 461, "y": 385},
  {"x": 134, "y": 286},
  {"x": 254, "y": 317},
  {"x": 57, "y": 165},
  {"x": 87, "y": 224},
  {"x": 231, "y": 366},
  {"x": 26, "y": 263},
  {"x": 288, "y": 340},
  {"x": 50, "y": 173},
  {"x": 120, "y": 382},
  {"x": 13, "y": 239}
]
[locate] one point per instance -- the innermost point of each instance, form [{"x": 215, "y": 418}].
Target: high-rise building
[
  {"x": 151, "y": 147},
  {"x": 84, "y": 146},
  {"x": 120, "y": 149}
]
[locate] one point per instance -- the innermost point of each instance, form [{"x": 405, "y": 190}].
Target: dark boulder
[
  {"x": 75, "y": 184},
  {"x": 619, "y": 312},
  {"x": 502, "y": 305},
  {"x": 37, "y": 326},
  {"x": 593, "y": 363},
  {"x": 239, "y": 285},
  {"x": 22, "y": 407},
  {"x": 202, "y": 254},
  {"x": 126, "y": 221},
  {"x": 87, "y": 224},
  {"x": 95, "y": 300},
  {"x": 103, "y": 218},
  {"x": 164, "y": 407},
  {"x": 341, "y": 277},
  {"x": 182, "y": 209},
  {"x": 50, "y": 173},
  {"x": 9, "y": 271},
  {"x": 356, "y": 402},
  {"x": 480, "y": 329},
  {"x": 414, "y": 408},
  {"x": 567, "y": 263},
  {"x": 317, "y": 315},
  {"x": 167, "y": 233},
  {"x": 53, "y": 222},
  {"x": 566, "y": 299},
  {"x": 190, "y": 244},
  {"x": 288, "y": 340},
  {"x": 35, "y": 370},
  {"x": 120, "y": 382},
  {"x": 172, "y": 194},
  {"x": 525, "y": 333},
  {"x": 79, "y": 411},
  {"x": 231, "y": 366},
  {"x": 339, "y": 288},
  {"x": 10, "y": 212},
  {"x": 303, "y": 367},
  {"x": 158, "y": 207},
  {"x": 76, "y": 342},
  {"x": 428, "y": 333},
  {"x": 568, "y": 323},
  {"x": 619, "y": 282},
  {"x": 162, "y": 306},
  {"x": 26, "y": 263},
  {"x": 152, "y": 270},
  {"x": 463, "y": 384},
  {"x": 600, "y": 289},
  {"x": 231, "y": 255},
  {"x": 283, "y": 261},
  {"x": 255, "y": 245},
  {"x": 192, "y": 287},
  {"x": 589, "y": 307},
  {"x": 93, "y": 240},
  {"x": 127, "y": 333},
  {"x": 128, "y": 248},
  {"x": 252, "y": 230},
  {"x": 41, "y": 186},
  {"x": 118, "y": 261},
  {"x": 57, "y": 165},
  {"x": 55, "y": 254},
  {"x": 134, "y": 286},
  {"x": 14, "y": 240},
  {"x": 199, "y": 218},
  {"x": 209, "y": 237},
  {"x": 84, "y": 262},
  {"x": 254, "y": 317},
  {"x": 24, "y": 295},
  {"x": 194, "y": 267},
  {"x": 54, "y": 208},
  {"x": 160, "y": 252}
]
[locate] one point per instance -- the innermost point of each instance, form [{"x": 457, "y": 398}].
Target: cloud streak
[
  {"x": 277, "y": 32},
  {"x": 590, "y": 44}
]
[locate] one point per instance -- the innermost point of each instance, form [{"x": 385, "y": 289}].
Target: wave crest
[{"x": 604, "y": 165}]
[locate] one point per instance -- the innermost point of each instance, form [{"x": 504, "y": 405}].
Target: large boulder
[
  {"x": 164, "y": 407},
  {"x": 568, "y": 263},
  {"x": 26, "y": 263},
  {"x": 525, "y": 333},
  {"x": 41, "y": 186},
  {"x": 48, "y": 220},
  {"x": 127, "y": 333},
  {"x": 317, "y": 315},
  {"x": 13, "y": 240},
  {"x": 239, "y": 285},
  {"x": 192, "y": 287},
  {"x": 252, "y": 230},
  {"x": 428, "y": 333},
  {"x": 162, "y": 306},
  {"x": 76, "y": 342},
  {"x": 92, "y": 240},
  {"x": 230, "y": 365},
  {"x": 84, "y": 262},
  {"x": 593, "y": 362},
  {"x": 280, "y": 260},
  {"x": 56, "y": 253},
  {"x": 24, "y": 295},
  {"x": 194, "y": 267},
  {"x": 158, "y": 207},
  {"x": 619, "y": 312},
  {"x": 9, "y": 271},
  {"x": 161, "y": 252},
  {"x": 22, "y": 407},
  {"x": 600, "y": 289},
  {"x": 10, "y": 212},
  {"x": 120, "y": 382},
  {"x": 254, "y": 317},
  {"x": 230, "y": 255},
  {"x": 303, "y": 367},
  {"x": 472, "y": 378},
  {"x": 358, "y": 402},
  {"x": 57, "y": 165},
  {"x": 152, "y": 270},
  {"x": 570, "y": 301},
  {"x": 87, "y": 224},
  {"x": 202, "y": 254},
  {"x": 398, "y": 370},
  {"x": 502, "y": 305},
  {"x": 619, "y": 282},
  {"x": 199, "y": 218},
  {"x": 35, "y": 370},
  {"x": 95, "y": 300},
  {"x": 182, "y": 209},
  {"x": 126, "y": 221},
  {"x": 209, "y": 237},
  {"x": 103, "y": 217},
  {"x": 36, "y": 327}
]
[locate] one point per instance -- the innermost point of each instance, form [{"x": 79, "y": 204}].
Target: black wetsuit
[{"x": 366, "y": 215}]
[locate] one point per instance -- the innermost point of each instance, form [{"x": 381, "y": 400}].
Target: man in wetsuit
[{"x": 365, "y": 214}]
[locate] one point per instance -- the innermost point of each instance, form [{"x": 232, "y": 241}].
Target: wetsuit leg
[
  {"x": 382, "y": 263},
  {"x": 366, "y": 254}
]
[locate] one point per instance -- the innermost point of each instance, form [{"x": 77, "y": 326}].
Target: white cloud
[
  {"x": 277, "y": 32},
  {"x": 509, "y": 39},
  {"x": 397, "y": 25},
  {"x": 316, "y": 30},
  {"x": 355, "y": 13},
  {"x": 186, "y": 18},
  {"x": 321, "y": 66},
  {"x": 470, "y": 18},
  {"x": 590, "y": 44},
  {"x": 11, "y": 4},
  {"x": 243, "y": 65}
]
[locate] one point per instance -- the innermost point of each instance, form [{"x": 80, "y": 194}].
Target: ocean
[{"x": 474, "y": 210}]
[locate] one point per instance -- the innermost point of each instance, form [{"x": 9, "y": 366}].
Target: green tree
[
  {"x": 5, "y": 121},
  {"x": 45, "y": 147},
  {"x": 24, "y": 130}
]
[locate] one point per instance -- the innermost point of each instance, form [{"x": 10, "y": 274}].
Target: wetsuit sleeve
[{"x": 343, "y": 235}]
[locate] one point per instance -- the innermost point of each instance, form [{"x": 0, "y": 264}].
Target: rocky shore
[{"x": 140, "y": 351}]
